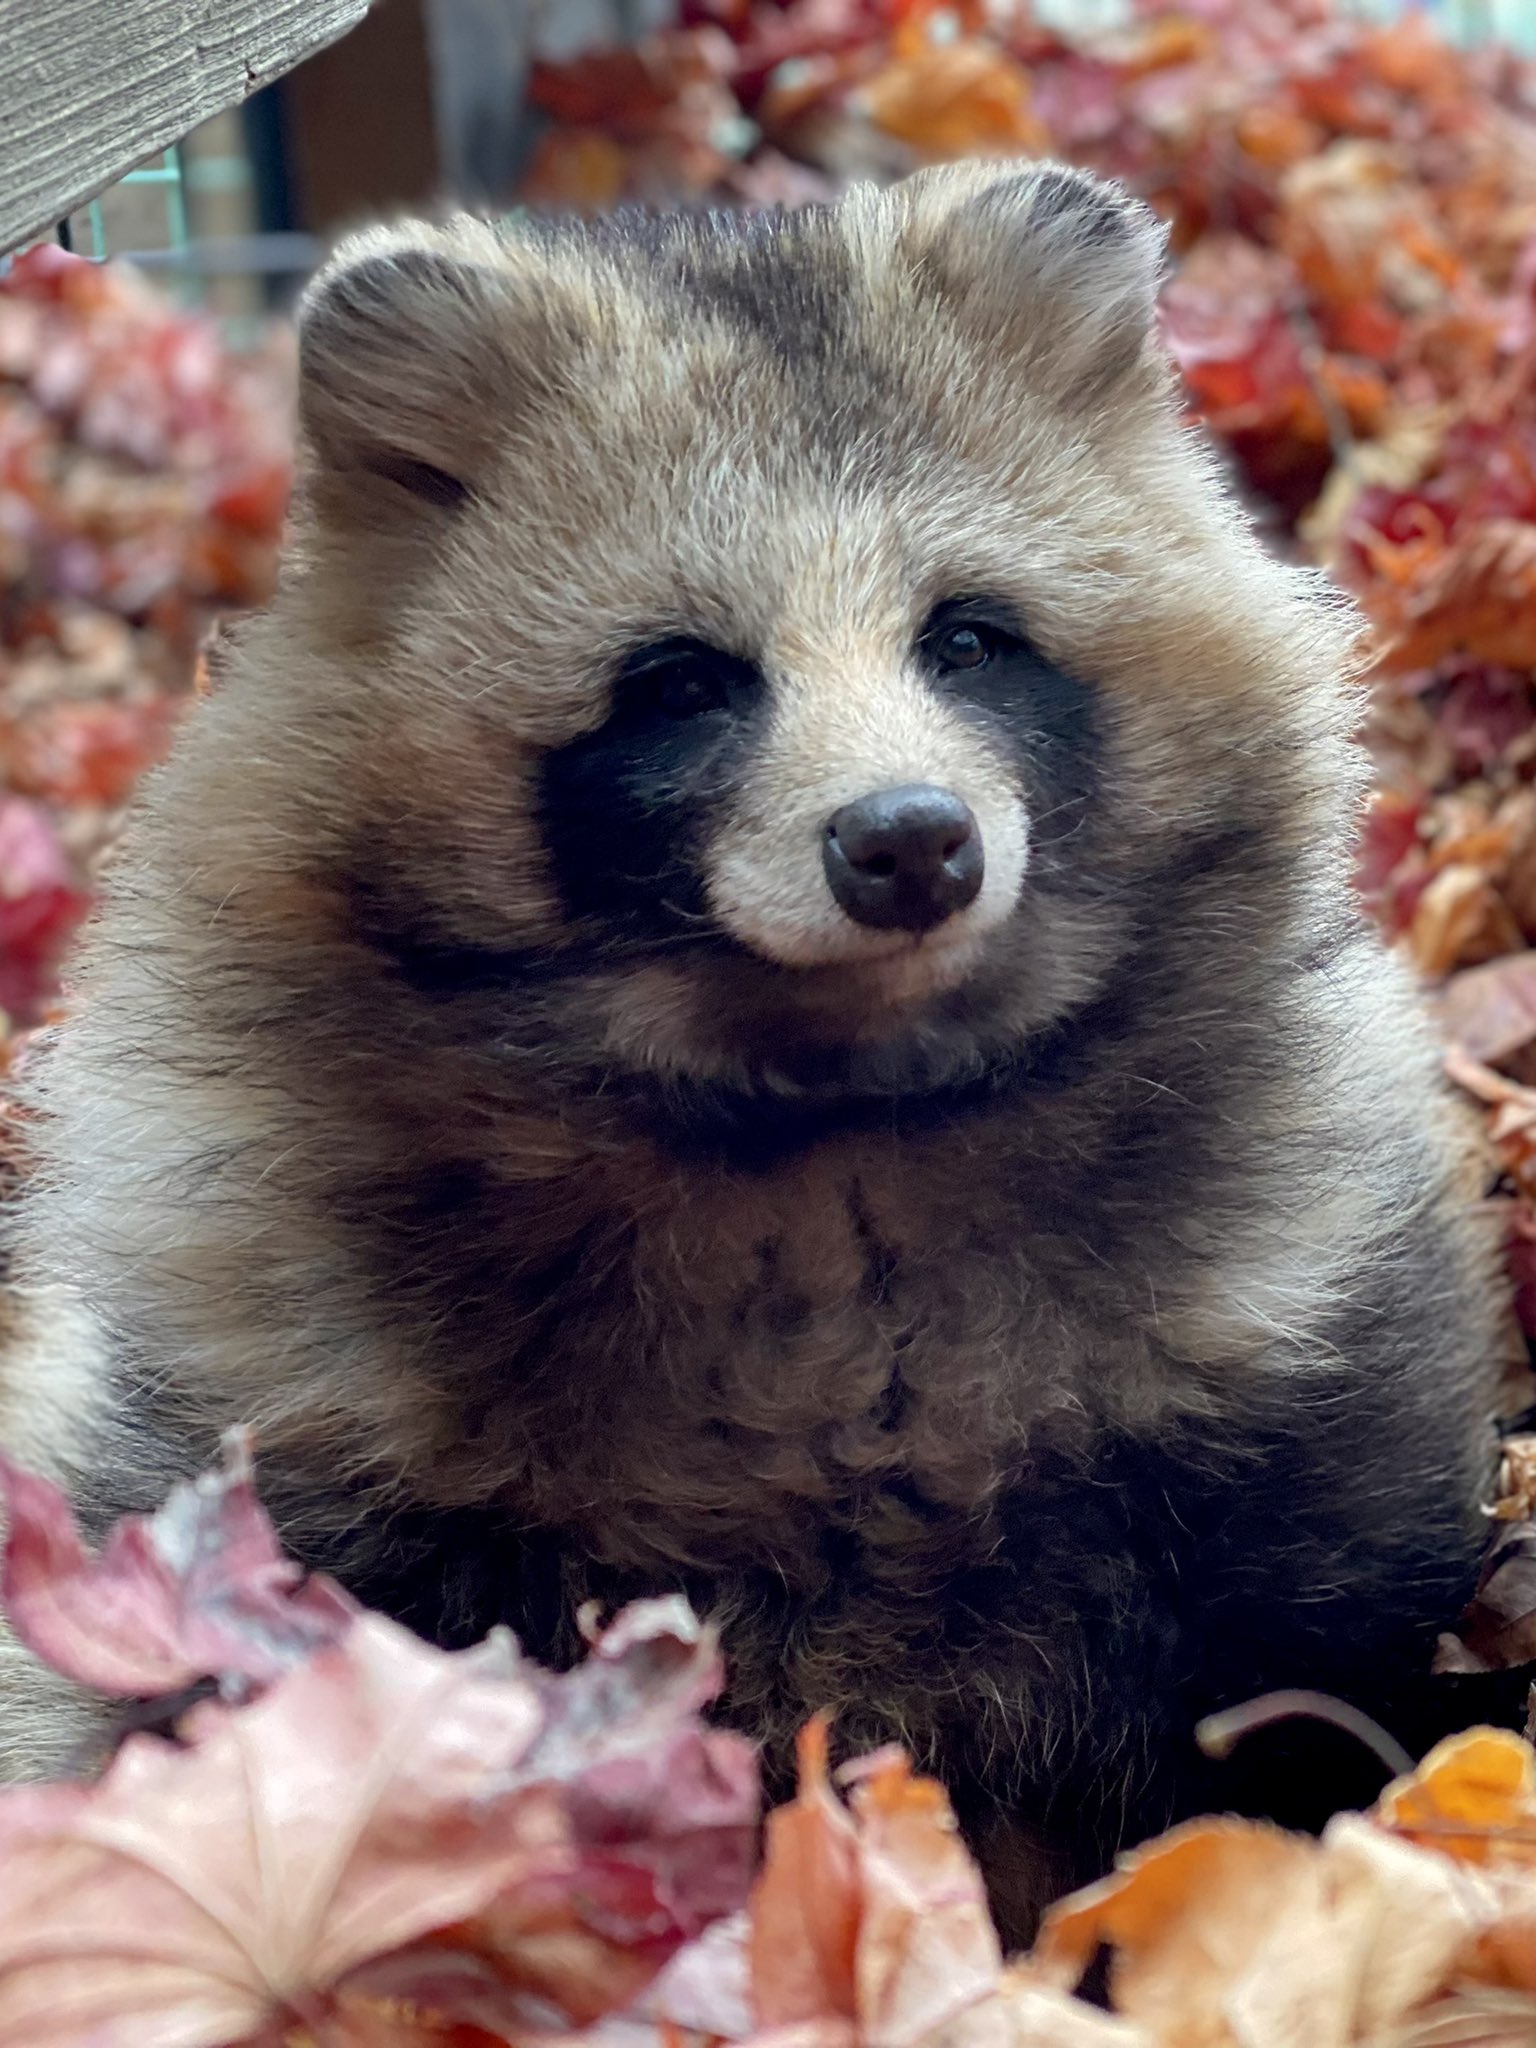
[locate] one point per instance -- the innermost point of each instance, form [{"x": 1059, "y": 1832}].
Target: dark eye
[
  {"x": 686, "y": 678},
  {"x": 962, "y": 646},
  {"x": 961, "y": 637},
  {"x": 685, "y": 688}
]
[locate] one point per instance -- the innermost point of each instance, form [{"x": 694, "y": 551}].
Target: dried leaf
[
  {"x": 200, "y": 1894},
  {"x": 1515, "y": 1500},
  {"x": 41, "y": 903},
  {"x": 1226, "y": 1934},
  {"x": 200, "y": 1589},
  {"x": 1479, "y": 598},
  {"x": 1490, "y": 1011},
  {"x": 953, "y": 99},
  {"x": 927, "y": 1957},
  {"x": 1498, "y": 1630},
  {"x": 378, "y": 1827},
  {"x": 1031, "y": 2012},
  {"x": 807, "y": 1905},
  {"x": 1460, "y": 919},
  {"x": 1473, "y": 1798},
  {"x": 1193, "y": 1915}
]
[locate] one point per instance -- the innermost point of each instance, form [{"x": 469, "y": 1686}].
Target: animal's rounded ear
[
  {"x": 408, "y": 350},
  {"x": 1060, "y": 266}
]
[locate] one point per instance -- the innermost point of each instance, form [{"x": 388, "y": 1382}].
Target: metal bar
[{"x": 274, "y": 255}]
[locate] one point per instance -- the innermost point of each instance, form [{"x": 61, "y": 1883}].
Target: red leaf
[
  {"x": 198, "y": 1590},
  {"x": 41, "y": 903}
]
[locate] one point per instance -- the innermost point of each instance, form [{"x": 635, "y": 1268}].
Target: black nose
[{"x": 903, "y": 859}]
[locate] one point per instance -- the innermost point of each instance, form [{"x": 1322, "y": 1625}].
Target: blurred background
[
  {"x": 1352, "y": 189},
  {"x": 432, "y": 96}
]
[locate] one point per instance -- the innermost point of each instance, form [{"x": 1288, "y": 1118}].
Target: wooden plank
[{"x": 90, "y": 88}]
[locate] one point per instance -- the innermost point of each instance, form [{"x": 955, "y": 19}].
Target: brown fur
[{"x": 1020, "y": 1337}]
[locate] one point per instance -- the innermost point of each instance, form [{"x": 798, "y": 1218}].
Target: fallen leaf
[
  {"x": 927, "y": 1958},
  {"x": 1227, "y": 1934},
  {"x": 1031, "y": 2012},
  {"x": 1471, "y": 2018},
  {"x": 1498, "y": 1630},
  {"x": 1473, "y": 1798},
  {"x": 1475, "y": 598},
  {"x": 1403, "y": 1921},
  {"x": 953, "y": 99},
  {"x": 200, "y": 1589},
  {"x": 375, "y": 1829},
  {"x": 200, "y": 1894},
  {"x": 807, "y": 1903},
  {"x": 1210, "y": 1909},
  {"x": 1490, "y": 1011},
  {"x": 1515, "y": 1498},
  {"x": 1460, "y": 919}
]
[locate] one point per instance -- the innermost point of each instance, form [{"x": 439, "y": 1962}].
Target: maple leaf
[
  {"x": 1498, "y": 1630},
  {"x": 200, "y": 1589},
  {"x": 388, "y": 1829},
  {"x": 806, "y": 1907},
  {"x": 952, "y": 98}
]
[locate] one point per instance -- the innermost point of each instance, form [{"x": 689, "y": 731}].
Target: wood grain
[{"x": 90, "y": 88}]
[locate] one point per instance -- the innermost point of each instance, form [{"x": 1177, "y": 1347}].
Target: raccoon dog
[{"x": 750, "y": 984}]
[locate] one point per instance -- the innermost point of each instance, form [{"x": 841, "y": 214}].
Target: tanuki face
[{"x": 804, "y": 646}]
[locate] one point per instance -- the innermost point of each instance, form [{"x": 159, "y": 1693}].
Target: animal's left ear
[{"x": 1052, "y": 263}]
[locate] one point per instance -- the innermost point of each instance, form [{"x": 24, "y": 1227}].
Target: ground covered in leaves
[
  {"x": 365, "y": 1841},
  {"x": 143, "y": 476}
]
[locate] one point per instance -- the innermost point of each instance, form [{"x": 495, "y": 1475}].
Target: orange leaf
[
  {"x": 955, "y": 99},
  {"x": 1480, "y": 597},
  {"x": 1228, "y": 1934},
  {"x": 1459, "y": 920},
  {"x": 1160, "y": 43},
  {"x": 927, "y": 1950},
  {"x": 1182, "y": 1914},
  {"x": 1277, "y": 136},
  {"x": 577, "y": 168},
  {"x": 806, "y": 1905},
  {"x": 1472, "y": 1798}
]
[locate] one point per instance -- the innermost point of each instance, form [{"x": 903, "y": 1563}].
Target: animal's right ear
[{"x": 412, "y": 341}]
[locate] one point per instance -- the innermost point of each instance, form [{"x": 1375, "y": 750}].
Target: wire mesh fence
[{"x": 167, "y": 175}]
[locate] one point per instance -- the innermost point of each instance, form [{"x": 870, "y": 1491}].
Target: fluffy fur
[{"x": 1022, "y": 1337}]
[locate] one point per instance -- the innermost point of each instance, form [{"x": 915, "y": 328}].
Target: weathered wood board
[{"x": 90, "y": 88}]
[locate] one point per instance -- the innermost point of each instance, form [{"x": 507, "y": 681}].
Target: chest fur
[{"x": 730, "y": 1366}]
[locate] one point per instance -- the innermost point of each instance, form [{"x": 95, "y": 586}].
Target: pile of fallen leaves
[
  {"x": 143, "y": 476},
  {"x": 1354, "y": 312},
  {"x": 364, "y": 1842}
]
